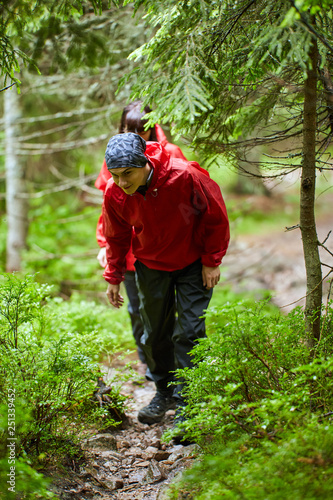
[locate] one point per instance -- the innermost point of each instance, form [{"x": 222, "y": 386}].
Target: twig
[
  {"x": 291, "y": 228},
  {"x": 328, "y": 235},
  {"x": 325, "y": 415},
  {"x": 58, "y": 146},
  {"x": 8, "y": 87},
  {"x": 322, "y": 244},
  {"x": 234, "y": 22},
  {"x": 77, "y": 217},
  {"x": 60, "y": 187},
  {"x": 91, "y": 190},
  {"x": 311, "y": 291},
  {"x": 326, "y": 265},
  {"x": 49, "y": 255},
  {"x": 276, "y": 380}
]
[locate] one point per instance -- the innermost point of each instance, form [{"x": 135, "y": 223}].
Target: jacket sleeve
[
  {"x": 118, "y": 236},
  {"x": 99, "y": 232},
  {"x": 101, "y": 182},
  {"x": 103, "y": 177},
  {"x": 213, "y": 224}
]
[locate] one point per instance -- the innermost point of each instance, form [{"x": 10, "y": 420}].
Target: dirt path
[
  {"x": 128, "y": 464},
  {"x": 275, "y": 262}
]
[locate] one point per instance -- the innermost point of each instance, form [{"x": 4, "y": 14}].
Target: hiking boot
[{"x": 155, "y": 411}]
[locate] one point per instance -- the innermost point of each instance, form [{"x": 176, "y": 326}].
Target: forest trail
[{"x": 132, "y": 463}]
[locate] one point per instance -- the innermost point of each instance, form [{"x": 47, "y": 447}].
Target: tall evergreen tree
[{"x": 222, "y": 69}]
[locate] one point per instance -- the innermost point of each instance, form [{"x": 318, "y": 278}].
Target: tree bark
[
  {"x": 307, "y": 204},
  {"x": 16, "y": 206}
]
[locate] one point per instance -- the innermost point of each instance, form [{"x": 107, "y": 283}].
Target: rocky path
[{"x": 132, "y": 463}]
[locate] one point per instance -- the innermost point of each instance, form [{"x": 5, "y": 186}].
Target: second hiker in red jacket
[{"x": 132, "y": 120}]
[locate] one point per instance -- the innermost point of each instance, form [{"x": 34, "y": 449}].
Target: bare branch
[
  {"x": 328, "y": 235},
  {"x": 77, "y": 218},
  {"x": 311, "y": 291},
  {"x": 60, "y": 187},
  {"x": 94, "y": 191},
  {"x": 67, "y": 114},
  {"x": 8, "y": 87},
  {"x": 50, "y": 256},
  {"x": 291, "y": 228},
  {"x": 53, "y": 130},
  {"x": 235, "y": 21},
  {"x": 31, "y": 149},
  {"x": 323, "y": 246}
]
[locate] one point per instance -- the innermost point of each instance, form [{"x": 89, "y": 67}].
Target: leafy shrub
[
  {"x": 52, "y": 370},
  {"x": 299, "y": 467},
  {"x": 248, "y": 357},
  {"x": 111, "y": 327},
  {"x": 260, "y": 403}
]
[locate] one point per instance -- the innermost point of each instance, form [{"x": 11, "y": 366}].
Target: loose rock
[
  {"x": 155, "y": 472},
  {"x": 100, "y": 442}
]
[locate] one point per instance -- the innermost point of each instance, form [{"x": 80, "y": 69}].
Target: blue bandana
[{"x": 125, "y": 150}]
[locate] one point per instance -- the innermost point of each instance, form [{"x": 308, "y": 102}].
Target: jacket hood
[
  {"x": 160, "y": 161},
  {"x": 161, "y": 137}
]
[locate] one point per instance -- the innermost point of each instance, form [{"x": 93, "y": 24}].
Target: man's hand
[
  {"x": 114, "y": 296},
  {"x": 101, "y": 257},
  {"x": 210, "y": 276}
]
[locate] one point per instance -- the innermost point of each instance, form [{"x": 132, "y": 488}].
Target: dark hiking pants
[
  {"x": 171, "y": 307},
  {"x": 133, "y": 308}
]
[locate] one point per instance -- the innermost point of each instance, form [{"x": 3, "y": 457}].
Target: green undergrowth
[
  {"x": 260, "y": 405},
  {"x": 300, "y": 466},
  {"x": 111, "y": 326},
  {"x": 50, "y": 354}
]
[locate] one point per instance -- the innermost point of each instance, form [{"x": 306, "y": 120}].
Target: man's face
[{"x": 130, "y": 178}]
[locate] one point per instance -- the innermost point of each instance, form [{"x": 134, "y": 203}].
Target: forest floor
[{"x": 133, "y": 463}]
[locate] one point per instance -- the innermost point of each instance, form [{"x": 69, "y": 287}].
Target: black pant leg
[
  {"x": 192, "y": 300},
  {"x": 134, "y": 311},
  {"x": 157, "y": 308}
]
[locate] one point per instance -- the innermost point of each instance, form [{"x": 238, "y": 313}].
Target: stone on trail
[{"x": 100, "y": 442}]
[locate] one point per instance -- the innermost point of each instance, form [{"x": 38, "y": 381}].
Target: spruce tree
[{"x": 221, "y": 70}]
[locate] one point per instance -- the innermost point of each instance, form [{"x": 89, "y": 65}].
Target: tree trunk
[
  {"x": 307, "y": 204},
  {"x": 16, "y": 207}
]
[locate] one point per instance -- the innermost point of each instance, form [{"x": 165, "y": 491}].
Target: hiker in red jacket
[
  {"x": 174, "y": 216},
  {"x": 132, "y": 120}
]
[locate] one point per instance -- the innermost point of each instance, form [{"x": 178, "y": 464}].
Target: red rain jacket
[
  {"x": 104, "y": 175},
  {"x": 181, "y": 218}
]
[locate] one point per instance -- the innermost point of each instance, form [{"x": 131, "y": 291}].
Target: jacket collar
[{"x": 160, "y": 161}]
